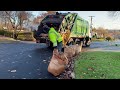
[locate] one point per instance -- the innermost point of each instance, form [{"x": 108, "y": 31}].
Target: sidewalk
[
  {"x": 6, "y": 39},
  {"x": 9, "y": 40}
]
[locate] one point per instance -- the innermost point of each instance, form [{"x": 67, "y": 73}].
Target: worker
[{"x": 55, "y": 38}]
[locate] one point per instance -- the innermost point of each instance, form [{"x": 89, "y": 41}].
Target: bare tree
[
  {"x": 3, "y": 19},
  {"x": 101, "y": 32},
  {"x": 23, "y": 19},
  {"x": 17, "y": 19},
  {"x": 42, "y": 15},
  {"x": 114, "y": 14},
  {"x": 36, "y": 21}
]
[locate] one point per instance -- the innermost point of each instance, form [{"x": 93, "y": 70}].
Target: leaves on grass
[
  {"x": 81, "y": 76},
  {"x": 92, "y": 58},
  {"x": 98, "y": 65},
  {"x": 91, "y": 69}
]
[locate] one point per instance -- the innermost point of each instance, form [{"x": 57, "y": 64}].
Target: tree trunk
[{"x": 15, "y": 33}]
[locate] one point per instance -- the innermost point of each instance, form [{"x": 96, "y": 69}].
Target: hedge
[{"x": 26, "y": 36}]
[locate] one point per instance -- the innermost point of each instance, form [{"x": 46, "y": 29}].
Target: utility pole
[{"x": 91, "y": 18}]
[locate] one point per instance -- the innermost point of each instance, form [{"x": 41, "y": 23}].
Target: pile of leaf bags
[
  {"x": 71, "y": 51},
  {"x": 59, "y": 61}
]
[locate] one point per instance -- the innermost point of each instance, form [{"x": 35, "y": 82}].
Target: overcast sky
[{"x": 101, "y": 18}]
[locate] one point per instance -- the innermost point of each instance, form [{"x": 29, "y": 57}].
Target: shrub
[
  {"x": 2, "y": 32},
  {"x": 108, "y": 38},
  {"x": 27, "y": 36},
  {"x": 6, "y": 33}
]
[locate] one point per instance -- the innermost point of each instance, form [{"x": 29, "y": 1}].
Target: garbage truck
[{"x": 73, "y": 29}]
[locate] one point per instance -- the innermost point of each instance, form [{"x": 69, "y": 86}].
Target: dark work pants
[{"x": 59, "y": 46}]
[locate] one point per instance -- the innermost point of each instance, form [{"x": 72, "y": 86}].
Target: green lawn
[{"x": 98, "y": 65}]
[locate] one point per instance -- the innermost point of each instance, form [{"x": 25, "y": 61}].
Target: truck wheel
[
  {"x": 87, "y": 43},
  {"x": 70, "y": 43}
]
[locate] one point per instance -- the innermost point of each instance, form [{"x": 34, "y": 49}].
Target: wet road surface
[
  {"x": 24, "y": 60},
  {"x": 105, "y": 46}
]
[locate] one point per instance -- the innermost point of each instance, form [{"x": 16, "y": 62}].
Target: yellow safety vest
[{"x": 54, "y": 36}]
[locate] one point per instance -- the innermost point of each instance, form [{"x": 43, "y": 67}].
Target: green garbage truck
[{"x": 71, "y": 26}]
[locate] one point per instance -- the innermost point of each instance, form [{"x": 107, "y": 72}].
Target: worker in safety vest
[{"x": 55, "y": 38}]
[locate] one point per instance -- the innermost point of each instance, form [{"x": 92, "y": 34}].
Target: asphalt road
[
  {"x": 105, "y": 46},
  {"x": 24, "y": 60}
]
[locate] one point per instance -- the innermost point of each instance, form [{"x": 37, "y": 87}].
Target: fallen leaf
[
  {"x": 13, "y": 76},
  {"x": 29, "y": 56},
  {"x": 38, "y": 69},
  {"x": 81, "y": 76},
  {"x": 44, "y": 60},
  {"x": 84, "y": 73},
  {"x": 73, "y": 75},
  {"x": 13, "y": 70},
  {"x": 2, "y": 60},
  {"x": 13, "y": 62},
  {"x": 8, "y": 70},
  {"x": 26, "y": 62},
  {"x": 23, "y": 78},
  {"x": 29, "y": 72},
  {"x": 90, "y": 68}
]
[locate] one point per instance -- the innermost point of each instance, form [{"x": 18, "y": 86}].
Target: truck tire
[
  {"x": 70, "y": 43},
  {"x": 87, "y": 43}
]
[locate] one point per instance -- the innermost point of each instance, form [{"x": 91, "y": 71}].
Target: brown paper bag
[
  {"x": 57, "y": 63},
  {"x": 77, "y": 48},
  {"x": 69, "y": 52}
]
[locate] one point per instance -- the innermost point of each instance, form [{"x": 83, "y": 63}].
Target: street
[
  {"x": 104, "y": 46},
  {"x": 24, "y": 60}
]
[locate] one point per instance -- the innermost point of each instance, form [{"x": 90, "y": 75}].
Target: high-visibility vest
[{"x": 54, "y": 36}]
